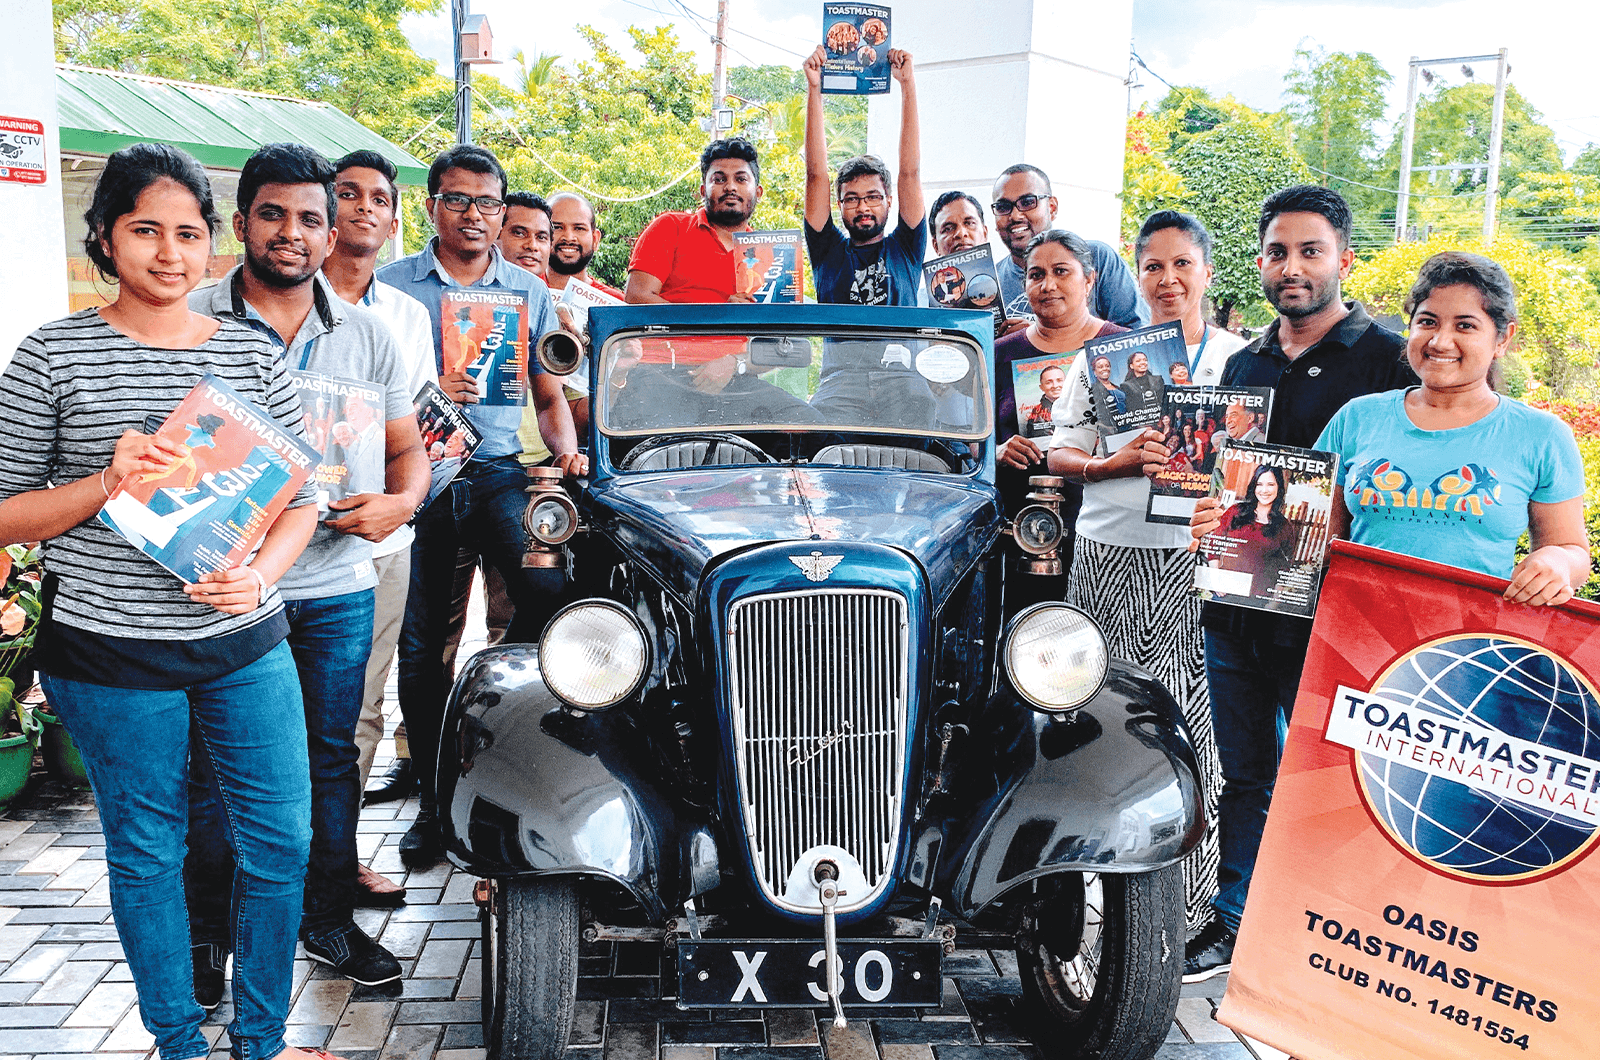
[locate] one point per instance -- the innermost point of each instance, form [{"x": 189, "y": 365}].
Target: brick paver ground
[{"x": 65, "y": 991}]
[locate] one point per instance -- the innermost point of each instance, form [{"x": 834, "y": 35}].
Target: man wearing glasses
[
  {"x": 859, "y": 264},
  {"x": 482, "y": 509},
  {"x": 1023, "y": 207}
]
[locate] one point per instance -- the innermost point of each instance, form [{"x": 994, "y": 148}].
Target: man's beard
[
  {"x": 1321, "y": 298},
  {"x": 864, "y": 235},
  {"x": 272, "y": 276},
  {"x": 576, "y": 267},
  {"x": 731, "y": 217}
]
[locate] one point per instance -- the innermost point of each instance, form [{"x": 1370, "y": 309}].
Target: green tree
[
  {"x": 1558, "y": 309},
  {"x": 533, "y": 77},
  {"x": 766, "y": 84},
  {"x": 1149, "y": 182},
  {"x": 1588, "y": 162},
  {"x": 1228, "y": 173},
  {"x": 622, "y": 129},
  {"x": 1336, "y": 101},
  {"x": 1559, "y": 209},
  {"x": 350, "y": 54}
]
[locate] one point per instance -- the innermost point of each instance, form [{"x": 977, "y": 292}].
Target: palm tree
[{"x": 532, "y": 77}]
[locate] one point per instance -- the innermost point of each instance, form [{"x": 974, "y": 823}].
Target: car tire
[
  {"x": 1114, "y": 993},
  {"x": 530, "y": 968}
]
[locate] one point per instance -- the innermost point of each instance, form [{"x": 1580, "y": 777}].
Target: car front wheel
[
  {"x": 1101, "y": 962},
  {"x": 530, "y": 968}
]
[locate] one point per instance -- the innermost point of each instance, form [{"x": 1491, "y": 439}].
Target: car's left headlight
[
  {"x": 594, "y": 654},
  {"x": 1055, "y": 657}
]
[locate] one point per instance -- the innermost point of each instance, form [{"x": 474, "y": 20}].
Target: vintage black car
[{"x": 790, "y": 725}]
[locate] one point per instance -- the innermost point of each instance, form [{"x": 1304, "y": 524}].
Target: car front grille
[{"x": 818, "y": 691}]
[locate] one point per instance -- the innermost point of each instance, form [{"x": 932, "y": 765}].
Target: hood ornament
[{"x": 816, "y": 567}]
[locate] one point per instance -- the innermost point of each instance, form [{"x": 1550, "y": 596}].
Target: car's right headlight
[
  {"x": 594, "y": 654},
  {"x": 1055, "y": 657}
]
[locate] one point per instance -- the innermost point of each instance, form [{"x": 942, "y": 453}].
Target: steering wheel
[{"x": 712, "y": 440}]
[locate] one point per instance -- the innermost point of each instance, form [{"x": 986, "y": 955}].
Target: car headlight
[
  {"x": 1055, "y": 656},
  {"x": 593, "y": 654}
]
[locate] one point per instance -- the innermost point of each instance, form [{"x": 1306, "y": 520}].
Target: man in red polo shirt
[{"x": 689, "y": 257}]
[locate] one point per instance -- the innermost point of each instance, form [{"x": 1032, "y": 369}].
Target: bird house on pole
[{"x": 477, "y": 42}]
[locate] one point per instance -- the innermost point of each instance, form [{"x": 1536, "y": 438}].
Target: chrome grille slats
[{"x": 818, "y": 697}]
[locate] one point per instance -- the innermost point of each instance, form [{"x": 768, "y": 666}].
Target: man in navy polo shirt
[{"x": 482, "y": 509}]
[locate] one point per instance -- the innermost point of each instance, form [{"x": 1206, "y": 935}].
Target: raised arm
[
  {"x": 819, "y": 193},
  {"x": 909, "y": 181}
]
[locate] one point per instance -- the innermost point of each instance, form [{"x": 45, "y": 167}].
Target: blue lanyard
[
  {"x": 1194, "y": 363},
  {"x": 305, "y": 354},
  {"x": 372, "y": 289}
]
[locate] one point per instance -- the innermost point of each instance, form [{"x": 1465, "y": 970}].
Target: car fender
[
  {"x": 1110, "y": 787},
  {"x": 529, "y": 787}
]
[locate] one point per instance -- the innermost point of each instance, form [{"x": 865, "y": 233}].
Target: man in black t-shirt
[
  {"x": 1319, "y": 354},
  {"x": 860, "y": 264}
]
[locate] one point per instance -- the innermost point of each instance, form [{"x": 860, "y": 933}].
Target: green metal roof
[{"x": 102, "y": 110}]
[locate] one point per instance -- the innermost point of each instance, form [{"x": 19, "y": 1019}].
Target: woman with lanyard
[
  {"x": 1135, "y": 578},
  {"x": 128, "y": 654}
]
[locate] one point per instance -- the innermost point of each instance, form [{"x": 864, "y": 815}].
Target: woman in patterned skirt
[{"x": 1135, "y": 577}]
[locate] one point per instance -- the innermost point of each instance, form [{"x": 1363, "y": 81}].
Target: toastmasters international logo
[{"x": 1479, "y": 756}]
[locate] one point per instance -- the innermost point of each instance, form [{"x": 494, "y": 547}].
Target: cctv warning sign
[{"x": 21, "y": 151}]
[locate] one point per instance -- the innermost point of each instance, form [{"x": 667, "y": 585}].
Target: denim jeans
[
  {"x": 481, "y": 512},
  {"x": 135, "y": 745},
  {"x": 330, "y": 640},
  {"x": 1253, "y": 684}
]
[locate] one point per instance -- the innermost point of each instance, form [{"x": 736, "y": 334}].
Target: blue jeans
[
  {"x": 1253, "y": 684},
  {"x": 135, "y": 745},
  {"x": 481, "y": 512},
  {"x": 330, "y": 640}
]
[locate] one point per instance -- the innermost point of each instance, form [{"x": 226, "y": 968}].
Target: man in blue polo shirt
[{"x": 482, "y": 509}]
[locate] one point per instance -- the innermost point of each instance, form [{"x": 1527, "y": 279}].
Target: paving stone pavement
[
  {"x": 65, "y": 991},
  {"x": 66, "y": 994}
]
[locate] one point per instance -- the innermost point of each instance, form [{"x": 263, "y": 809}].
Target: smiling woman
[
  {"x": 124, "y": 647},
  {"x": 1453, "y": 471}
]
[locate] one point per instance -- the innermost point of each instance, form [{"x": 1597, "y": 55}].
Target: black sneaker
[
  {"x": 210, "y": 973},
  {"x": 1209, "y": 953},
  {"x": 350, "y": 952},
  {"x": 423, "y": 843},
  {"x": 399, "y": 782}
]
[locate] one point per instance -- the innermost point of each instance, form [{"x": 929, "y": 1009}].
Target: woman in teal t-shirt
[{"x": 1452, "y": 471}]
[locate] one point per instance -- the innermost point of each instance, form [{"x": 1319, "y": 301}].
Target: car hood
[{"x": 679, "y": 522}]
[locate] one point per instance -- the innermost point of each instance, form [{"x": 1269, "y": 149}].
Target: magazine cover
[
  {"x": 1272, "y": 546},
  {"x": 966, "y": 280},
  {"x": 344, "y": 422},
  {"x": 485, "y": 333},
  {"x": 580, "y": 297},
  {"x": 1037, "y": 383},
  {"x": 448, "y": 437},
  {"x": 1128, "y": 377},
  {"x": 767, "y": 266},
  {"x": 1195, "y": 422},
  {"x": 211, "y": 508},
  {"x": 856, "y": 37}
]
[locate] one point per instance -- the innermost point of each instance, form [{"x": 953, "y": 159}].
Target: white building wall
[
  {"x": 1037, "y": 81},
  {"x": 33, "y": 264}
]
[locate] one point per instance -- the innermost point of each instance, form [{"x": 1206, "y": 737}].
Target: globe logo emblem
[{"x": 1479, "y": 756}]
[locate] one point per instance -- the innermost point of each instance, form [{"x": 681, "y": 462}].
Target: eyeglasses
[
  {"x": 871, "y": 198},
  {"x": 1005, "y": 206},
  {"x": 457, "y": 203}
]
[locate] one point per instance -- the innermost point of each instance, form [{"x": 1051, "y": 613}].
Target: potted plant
[{"x": 20, "y": 578}]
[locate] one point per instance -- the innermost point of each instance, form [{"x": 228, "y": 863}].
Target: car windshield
[{"x": 884, "y": 383}]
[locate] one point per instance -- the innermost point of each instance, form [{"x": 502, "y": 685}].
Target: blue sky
[{"x": 1226, "y": 46}]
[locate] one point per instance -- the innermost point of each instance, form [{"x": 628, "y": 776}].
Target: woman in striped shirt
[{"x": 129, "y": 655}]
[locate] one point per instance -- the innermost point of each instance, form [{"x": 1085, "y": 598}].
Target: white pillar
[
  {"x": 33, "y": 269},
  {"x": 1008, "y": 81}
]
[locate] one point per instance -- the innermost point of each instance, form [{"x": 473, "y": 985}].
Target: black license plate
[{"x": 788, "y": 973}]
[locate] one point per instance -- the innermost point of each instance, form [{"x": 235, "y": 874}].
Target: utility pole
[
  {"x": 1402, "y": 207},
  {"x": 1496, "y": 131},
  {"x": 458, "y": 18},
  {"x": 719, "y": 82},
  {"x": 1407, "y": 141}
]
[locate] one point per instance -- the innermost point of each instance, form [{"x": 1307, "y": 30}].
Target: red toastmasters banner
[{"x": 1424, "y": 888}]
